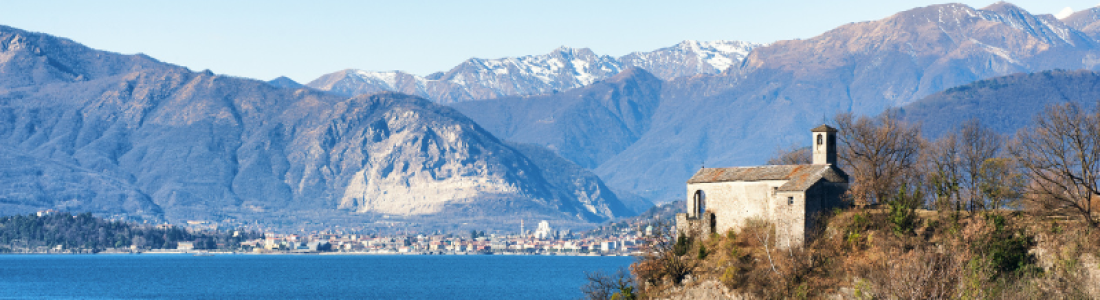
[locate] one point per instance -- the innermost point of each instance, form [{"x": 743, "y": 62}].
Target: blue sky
[{"x": 305, "y": 39}]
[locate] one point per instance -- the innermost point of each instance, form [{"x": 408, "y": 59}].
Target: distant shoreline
[{"x": 220, "y": 253}]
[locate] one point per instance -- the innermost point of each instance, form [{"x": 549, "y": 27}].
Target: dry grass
[{"x": 991, "y": 255}]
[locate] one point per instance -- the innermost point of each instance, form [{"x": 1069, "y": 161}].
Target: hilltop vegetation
[{"x": 861, "y": 255}]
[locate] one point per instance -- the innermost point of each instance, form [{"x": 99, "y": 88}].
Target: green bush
[
  {"x": 702, "y": 251},
  {"x": 1007, "y": 250},
  {"x": 859, "y": 222},
  {"x": 626, "y": 293},
  {"x": 902, "y": 215},
  {"x": 683, "y": 244}
]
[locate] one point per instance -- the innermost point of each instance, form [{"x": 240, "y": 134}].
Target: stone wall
[
  {"x": 734, "y": 202},
  {"x": 789, "y": 218},
  {"x": 697, "y": 227},
  {"x": 731, "y": 204}
]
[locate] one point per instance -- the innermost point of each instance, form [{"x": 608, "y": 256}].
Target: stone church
[{"x": 789, "y": 196}]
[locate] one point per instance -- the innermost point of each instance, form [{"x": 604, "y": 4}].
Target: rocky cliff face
[
  {"x": 406, "y": 156},
  {"x": 119, "y": 134},
  {"x": 560, "y": 70}
]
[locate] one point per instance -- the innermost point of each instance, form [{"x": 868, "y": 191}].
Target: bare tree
[
  {"x": 762, "y": 231},
  {"x": 659, "y": 262},
  {"x": 955, "y": 165},
  {"x": 878, "y": 153},
  {"x": 792, "y": 156},
  {"x": 602, "y": 286},
  {"x": 978, "y": 144},
  {"x": 1061, "y": 157},
  {"x": 1000, "y": 183},
  {"x": 942, "y": 172}
]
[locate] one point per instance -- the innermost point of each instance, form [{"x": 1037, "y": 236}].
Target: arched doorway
[{"x": 700, "y": 203}]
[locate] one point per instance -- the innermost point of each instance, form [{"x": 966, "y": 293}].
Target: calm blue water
[{"x": 297, "y": 276}]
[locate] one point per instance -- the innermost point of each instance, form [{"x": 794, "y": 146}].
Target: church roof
[
  {"x": 799, "y": 177},
  {"x": 823, "y": 128}
]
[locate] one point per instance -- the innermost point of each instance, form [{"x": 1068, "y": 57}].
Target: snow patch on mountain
[
  {"x": 562, "y": 69},
  {"x": 1047, "y": 29},
  {"x": 690, "y": 58}
]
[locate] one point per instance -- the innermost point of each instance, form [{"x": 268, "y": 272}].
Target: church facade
[{"x": 791, "y": 197}]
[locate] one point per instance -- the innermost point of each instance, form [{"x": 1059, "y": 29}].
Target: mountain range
[
  {"x": 781, "y": 90},
  {"x": 562, "y": 69},
  {"x": 89, "y": 130},
  {"x": 571, "y": 135}
]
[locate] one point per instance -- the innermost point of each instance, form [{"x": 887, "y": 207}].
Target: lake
[{"x": 175, "y": 276}]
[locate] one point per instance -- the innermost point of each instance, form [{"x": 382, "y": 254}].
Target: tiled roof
[
  {"x": 823, "y": 128},
  {"x": 799, "y": 177}
]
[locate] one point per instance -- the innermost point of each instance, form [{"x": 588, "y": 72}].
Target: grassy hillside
[{"x": 867, "y": 254}]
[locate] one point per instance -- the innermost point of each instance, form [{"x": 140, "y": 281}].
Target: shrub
[
  {"x": 626, "y": 293},
  {"x": 859, "y": 222},
  {"x": 1007, "y": 250},
  {"x": 603, "y": 286},
  {"x": 902, "y": 217},
  {"x": 683, "y": 244}
]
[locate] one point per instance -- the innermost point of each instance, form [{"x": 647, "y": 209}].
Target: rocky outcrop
[
  {"x": 706, "y": 290},
  {"x": 406, "y": 156}
]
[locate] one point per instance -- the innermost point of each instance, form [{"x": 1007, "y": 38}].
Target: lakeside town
[
  {"x": 541, "y": 241},
  {"x": 205, "y": 238}
]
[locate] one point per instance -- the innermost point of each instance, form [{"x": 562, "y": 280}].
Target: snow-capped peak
[
  {"x": 389, "y": 80},
  {"x": 561, "y": 69},
  {"x": 690, "y": 57}
]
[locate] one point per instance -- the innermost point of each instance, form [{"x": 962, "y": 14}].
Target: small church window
[
  {"x": 819, "y": 140},
  {"x": 790, "y": 200}
]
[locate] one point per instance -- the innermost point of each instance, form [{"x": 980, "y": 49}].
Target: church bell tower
[{"x": 824, "y": 145}]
